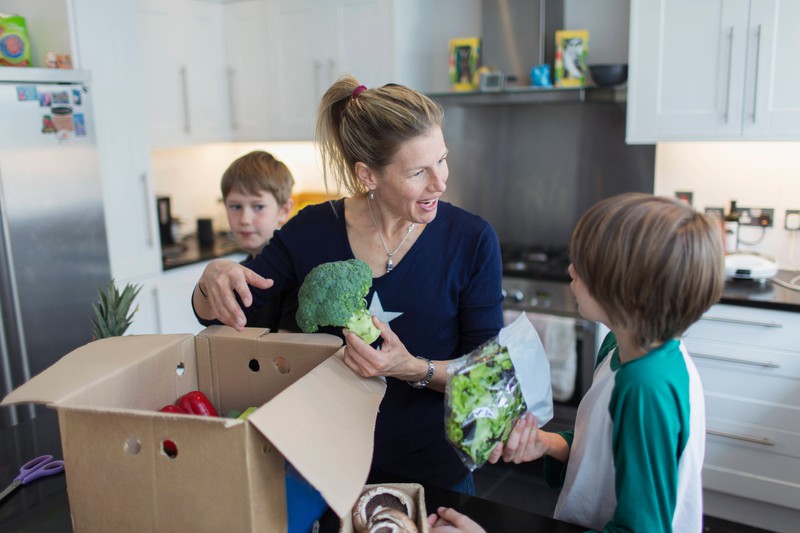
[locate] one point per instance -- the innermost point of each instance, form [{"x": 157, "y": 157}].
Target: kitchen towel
[{"x": 560, "y": 344}]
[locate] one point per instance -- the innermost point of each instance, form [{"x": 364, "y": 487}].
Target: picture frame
[
  {"x": 572, "y": 50},
  {"x": 464, "y": 62}
]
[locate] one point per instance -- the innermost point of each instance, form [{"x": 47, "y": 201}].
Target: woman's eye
[{"x": 418, "y": 173}]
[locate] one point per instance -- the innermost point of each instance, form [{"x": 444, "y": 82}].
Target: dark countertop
[
  {"x": 766, "y": 295},
  {"x": 42, "y": 506},
  {"x": 189, "y": 250}
]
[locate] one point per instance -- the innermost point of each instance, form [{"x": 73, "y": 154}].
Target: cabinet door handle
[
  {"x": 745, "y": 438},
  {"x": 150, "y": 240},
  {"x": 728, "y": 90},
  {"x": 317, "y": 79},
  {"x": 755, "y": 85},
  {"x": 734, "y": 360},
  {"x": 231, "y": 100},
  {"x": 159, "y": 326},
  {"x": 742, "y": 322},
  {"x": 185, "y": 93}
]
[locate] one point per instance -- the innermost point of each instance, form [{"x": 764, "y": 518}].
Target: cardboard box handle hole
[
  {"x": 254, "y": 365},
  {"x": 282, "y": 364},
  {"x": 132, "y": 446},
  {"x": 180, "y": 369},
  {"x": 169, "y": 448}
]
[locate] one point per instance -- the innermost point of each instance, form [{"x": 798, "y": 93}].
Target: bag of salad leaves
[{"x": 492, "y": 386}]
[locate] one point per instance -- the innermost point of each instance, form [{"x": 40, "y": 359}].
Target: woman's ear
[{"x": 365, "y": 175}]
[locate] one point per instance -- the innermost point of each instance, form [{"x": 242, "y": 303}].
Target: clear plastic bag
[{"x": 492, "y": 386}]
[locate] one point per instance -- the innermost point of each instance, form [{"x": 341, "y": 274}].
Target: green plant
[{"x": 112, "y": 310}]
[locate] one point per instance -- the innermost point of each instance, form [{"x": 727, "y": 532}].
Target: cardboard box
[
  {"x": 228, "y": 474},
  {"x": 415, "y": 490}
]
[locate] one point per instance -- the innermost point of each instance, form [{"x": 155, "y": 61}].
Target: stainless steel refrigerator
[{"x": 53, "y": 250}]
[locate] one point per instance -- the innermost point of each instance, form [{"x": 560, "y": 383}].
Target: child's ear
[{"x": 285, "y": 211}]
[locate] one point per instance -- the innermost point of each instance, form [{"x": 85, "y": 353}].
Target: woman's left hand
[{"x": 393, "y": 359}]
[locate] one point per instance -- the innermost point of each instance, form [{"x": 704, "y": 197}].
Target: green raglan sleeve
[{"x": 645, "y": 408}]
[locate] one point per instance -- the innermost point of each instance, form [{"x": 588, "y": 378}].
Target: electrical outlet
[
  {"x": 716, "y": 212},
  {"x": 756, "y": 216},
  {"x": 792, "y": 220}
]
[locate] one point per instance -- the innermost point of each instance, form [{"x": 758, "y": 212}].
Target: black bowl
[{"x": 609, "y": 75}]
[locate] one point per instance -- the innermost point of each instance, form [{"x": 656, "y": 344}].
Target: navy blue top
[{"x": 442, "y": 300}]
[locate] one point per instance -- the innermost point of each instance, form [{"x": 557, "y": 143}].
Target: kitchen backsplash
[
  {"x": 760, "y": 175},
  {"x": 191, "y": 176}
]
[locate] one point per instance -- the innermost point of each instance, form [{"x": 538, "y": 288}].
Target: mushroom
[
  {"x": 377, "y": 499},
  {"x": 391, "y": 521}
]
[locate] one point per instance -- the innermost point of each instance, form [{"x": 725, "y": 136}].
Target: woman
[{"x": 436, "y": 291}]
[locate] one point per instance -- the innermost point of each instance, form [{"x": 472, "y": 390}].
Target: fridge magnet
[
  {"x": 61, "y": 97},
  {"x": 26, "y": 92},
  {"x": 76, "y": 97},
  {"x": 47, "y": 124},
  {"x": 465, "y": 60},
  {"x": 572, "y": 49},
  {"x": 80, "y": 125},
  {"x": 44, "y": 100}
]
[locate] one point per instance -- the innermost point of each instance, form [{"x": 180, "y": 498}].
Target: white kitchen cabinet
[
  {"x": 146, "y": 317},
  {"x": 186, "y": 80},
  {"x": 749, "y": 362},
  {"x": 116, "y": 73},
  {"x": 284, "y": 54},
  {"x": 713, "y": 70}
]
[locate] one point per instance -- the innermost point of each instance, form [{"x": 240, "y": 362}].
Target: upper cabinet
[
  {"x": 284, "y": 54},
  {"x": 186, "y": 77},
  {"x": 116, "y": 66},
  {"x": 714, "y": 70}
]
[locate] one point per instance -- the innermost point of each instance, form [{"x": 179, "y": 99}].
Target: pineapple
[{"x": 111, "y": 311}]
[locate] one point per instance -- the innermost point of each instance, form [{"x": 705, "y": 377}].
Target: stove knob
[{"x": 518, "y": 296}]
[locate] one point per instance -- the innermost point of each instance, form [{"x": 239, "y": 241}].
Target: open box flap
[
  {"x": 91, "y": 363},
  {"x": 324, "y": 424}
]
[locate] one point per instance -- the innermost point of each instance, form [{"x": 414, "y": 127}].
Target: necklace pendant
[{"x": 389, "y": 265}]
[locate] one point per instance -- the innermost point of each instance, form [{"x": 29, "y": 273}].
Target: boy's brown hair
[
  {"x": 654, "y": 264},
  {"x": 258, "y": 172}
]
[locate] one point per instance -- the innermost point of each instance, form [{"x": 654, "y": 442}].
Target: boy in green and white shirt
[{"x": 647, "y": 267}]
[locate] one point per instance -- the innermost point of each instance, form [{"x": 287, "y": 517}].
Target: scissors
[{"x": 44, "y": 465}]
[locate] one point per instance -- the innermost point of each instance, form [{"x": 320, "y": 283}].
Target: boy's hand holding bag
[{"x": 492, "y": 386}]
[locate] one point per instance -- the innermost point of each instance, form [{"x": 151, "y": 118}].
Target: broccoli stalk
[{"x": 333, "y": 294}]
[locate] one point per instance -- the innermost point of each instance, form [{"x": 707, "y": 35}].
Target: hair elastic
[{"x": 358, "y": 90}]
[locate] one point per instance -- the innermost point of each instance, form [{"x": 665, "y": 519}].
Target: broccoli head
[{"x": 333, "y": 294}]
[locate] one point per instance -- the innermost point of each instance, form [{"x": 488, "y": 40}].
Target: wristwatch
[{"x": 421, "y": 384}]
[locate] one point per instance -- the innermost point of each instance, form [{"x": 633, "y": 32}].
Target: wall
[
  {"x": 753, "y": 174},
  {"x": 191, "y": 176},
  {"x": 607, "y": 22}
]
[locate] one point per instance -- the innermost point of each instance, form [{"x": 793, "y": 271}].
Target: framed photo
[
  {"x": 465, "y": 60},
  {"x": 572, "y": 49}
]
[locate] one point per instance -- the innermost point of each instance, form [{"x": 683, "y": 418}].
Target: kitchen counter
[
  {"x": 43, "y": 506},
  {"x": 766, "y": 295},
  {"x": 189, "y": 251}
]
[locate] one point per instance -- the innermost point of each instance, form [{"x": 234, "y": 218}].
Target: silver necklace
[{"x": 389, "y": 263}]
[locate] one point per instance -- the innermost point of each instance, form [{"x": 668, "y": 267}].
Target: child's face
[
  {"x": 587, "y": 306},
  {"x": 253, "y": 218}
]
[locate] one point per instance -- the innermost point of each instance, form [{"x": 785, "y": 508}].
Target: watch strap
[{"x": 421, "y": 384}]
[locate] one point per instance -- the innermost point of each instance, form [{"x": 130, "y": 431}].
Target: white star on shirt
[{"x": 376, "y": 308}]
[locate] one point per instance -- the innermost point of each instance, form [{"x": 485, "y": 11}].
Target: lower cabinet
[{"x": 749, "y": 362}]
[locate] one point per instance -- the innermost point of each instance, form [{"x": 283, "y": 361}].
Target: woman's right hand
[{"x": 214, "y": 296}]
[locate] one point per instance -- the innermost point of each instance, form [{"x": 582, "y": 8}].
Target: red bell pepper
[
  {"x": 197, "y": 403},
  {"x": 173, "y": 409}
]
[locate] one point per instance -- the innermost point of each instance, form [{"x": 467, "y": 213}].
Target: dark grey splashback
[{"x": 532, "y": 170}]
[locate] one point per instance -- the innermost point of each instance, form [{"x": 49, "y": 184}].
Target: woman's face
[
  {"x": 410, "y": 186},
  {"x": 587, "y": 305}
]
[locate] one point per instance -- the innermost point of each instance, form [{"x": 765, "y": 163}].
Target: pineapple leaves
[{"x": 112, "y": 310}]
